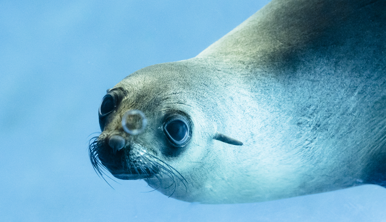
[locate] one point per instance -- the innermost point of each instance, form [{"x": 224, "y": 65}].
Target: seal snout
[{"x": 116, "y": 142}]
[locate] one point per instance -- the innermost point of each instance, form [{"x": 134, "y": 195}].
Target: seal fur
[{"x": 300, "y": 85}]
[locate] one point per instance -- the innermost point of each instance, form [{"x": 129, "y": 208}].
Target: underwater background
[{"x": 57, "y": 58}]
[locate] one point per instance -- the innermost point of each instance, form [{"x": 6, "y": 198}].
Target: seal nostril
[{"x": 116, "y": 142}]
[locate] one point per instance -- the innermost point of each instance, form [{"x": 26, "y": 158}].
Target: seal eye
[
  {"x": 177, "y": 131},
  {"x": 108, "y": 105}
]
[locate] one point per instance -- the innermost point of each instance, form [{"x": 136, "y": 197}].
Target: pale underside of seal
[{"x": 291, "y": 102}]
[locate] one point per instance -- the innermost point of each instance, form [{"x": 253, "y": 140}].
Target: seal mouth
[
  {"x": 132, "y": 163},
  {"x": 134, "y": 172},
  {"x": 127, "y": 164},
  {"x": 127, "y": 176}
]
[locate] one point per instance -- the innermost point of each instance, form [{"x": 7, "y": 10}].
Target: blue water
[{"x": 57, "y": 58}]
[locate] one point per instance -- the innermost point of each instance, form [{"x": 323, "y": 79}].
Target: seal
[{"x": 291, "y": 102}]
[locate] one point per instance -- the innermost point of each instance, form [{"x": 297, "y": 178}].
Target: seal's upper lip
[{"x": 128, "y": 176}]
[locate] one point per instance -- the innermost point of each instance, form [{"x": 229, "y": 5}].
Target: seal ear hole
[{"x": 177, "y": 130}]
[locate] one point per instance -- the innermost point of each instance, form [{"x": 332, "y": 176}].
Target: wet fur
[{"x": 302, "y": 83}]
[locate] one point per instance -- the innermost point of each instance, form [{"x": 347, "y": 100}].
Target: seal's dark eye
[
  {"x": 177, "y": 131},
  {"x": 107, "y": 106}
]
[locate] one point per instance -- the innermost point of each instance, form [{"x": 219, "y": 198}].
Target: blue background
[{"x": 57, "y": 58}]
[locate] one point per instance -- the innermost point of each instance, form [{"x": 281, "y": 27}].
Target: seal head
[{"x": 162, "y": 154}]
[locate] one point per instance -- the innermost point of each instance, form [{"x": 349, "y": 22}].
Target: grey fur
[{"x": 302, "y": 83}]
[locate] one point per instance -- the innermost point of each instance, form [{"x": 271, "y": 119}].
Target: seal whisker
[
  {"x": 168, "y": 172},
  {"x": 98, "y": 167},
  {"x": 154, "y": 164},
  {"x": 141, "y": 167},
  {"x": 159, "y": 180},
  {"x": 93, "y": 134},
  {"x": 171, "y": 171}
]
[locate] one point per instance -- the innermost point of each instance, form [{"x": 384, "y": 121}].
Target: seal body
[{"x": 301, "y": 85}]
